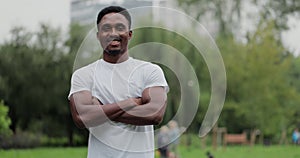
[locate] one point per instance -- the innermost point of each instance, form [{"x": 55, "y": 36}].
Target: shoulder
[
  {"x": 85, "y": 73},
  {"x": 86, "y": 70},
  {"x": 151, "y": 73},
  {"x": 145, "y": 65}
]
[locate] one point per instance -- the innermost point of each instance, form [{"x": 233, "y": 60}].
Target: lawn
[
  {"x": 192, "y": 152},
  {"x": 244, "y": 152},
  {"x": 45, "y": 153}
]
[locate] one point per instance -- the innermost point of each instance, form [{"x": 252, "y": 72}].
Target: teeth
[{"x": 115, "y": 42}]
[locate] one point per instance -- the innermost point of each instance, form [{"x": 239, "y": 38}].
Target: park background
[{"x": 262, "y": 93}]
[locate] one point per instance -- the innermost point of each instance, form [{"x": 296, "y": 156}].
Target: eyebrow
[
  {"x": 104, "y": 25},
  {"x": 117, "y": 24}
]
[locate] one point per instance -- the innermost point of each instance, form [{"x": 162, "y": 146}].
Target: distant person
[
  {"x": 172, "y": 155},
  {"x": 174, "y": 133},
  {"x": 163, "y": 142},
  {"x": 296, "y": 136}
]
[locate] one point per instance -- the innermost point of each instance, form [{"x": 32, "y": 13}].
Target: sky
[
  {"x": 30, "y": 13},
  {"x": 292, "y": 38}
]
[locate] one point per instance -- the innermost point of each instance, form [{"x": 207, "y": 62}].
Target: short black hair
[{"x": 114, "y": 9}]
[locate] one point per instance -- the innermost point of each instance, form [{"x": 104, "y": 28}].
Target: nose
[{"x": 114, "y": 32}]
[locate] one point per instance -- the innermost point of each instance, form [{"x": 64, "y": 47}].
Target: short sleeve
[
  {"x": 82, "y": 79},
  {"x": 155, "y": 77}
]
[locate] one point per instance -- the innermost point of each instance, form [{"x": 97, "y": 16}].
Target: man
[{"x": 118, "y": 98}]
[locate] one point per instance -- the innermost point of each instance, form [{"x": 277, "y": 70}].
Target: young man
[{"x": 118, "y": 98}]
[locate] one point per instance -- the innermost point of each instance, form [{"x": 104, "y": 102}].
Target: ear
[
  {"x": 130, "y": 34},
  {"x": 97, "y": 35}
]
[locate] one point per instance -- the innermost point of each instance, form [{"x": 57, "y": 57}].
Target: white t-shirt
[{"x": 112, "y": 83}]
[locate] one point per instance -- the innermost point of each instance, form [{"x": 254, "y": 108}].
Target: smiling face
[{"x": 114, "y": 34}]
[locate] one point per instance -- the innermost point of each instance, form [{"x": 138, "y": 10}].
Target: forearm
[
  {"x": 151, "y": 111},
  {"x": 147, "y": 114},
  {"x": 94, "y": 115},
  {"x": 87, "y": 112}
]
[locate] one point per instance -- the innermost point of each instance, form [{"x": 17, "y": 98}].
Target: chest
[{"x": 119, "y": 83}]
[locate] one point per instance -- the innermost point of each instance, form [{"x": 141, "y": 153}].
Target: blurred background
[{"x": 258, "y": 40}]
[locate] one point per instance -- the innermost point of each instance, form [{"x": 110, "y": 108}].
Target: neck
[{"x": 119, "y": 58}]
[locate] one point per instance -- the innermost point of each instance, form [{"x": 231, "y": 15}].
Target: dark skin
[
  {"x": 114, "y": 34},
  {"x": 88, "y": 111}
]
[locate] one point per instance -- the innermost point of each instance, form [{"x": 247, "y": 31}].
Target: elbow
[
  {"x": 159, "y": 115},
  {"x": 157, "y": 120},
  {"x": 83, "y": 121},
  {"x": 78, "y": 122},
  {"x": 76, "y": 118}
]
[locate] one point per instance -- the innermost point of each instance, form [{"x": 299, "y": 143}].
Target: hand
[
  {"x": 95, "y": 101},
  {"x": 138, "y": 100}
]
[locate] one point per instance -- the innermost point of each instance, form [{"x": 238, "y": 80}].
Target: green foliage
[
  {"x": 259, "y": 94},
  {"x": 183, "y": 46},
  {"x": 31, "y": 72},
  {"x": 35, "y": 74},
  {"x": 21, "y": 139},
  {"x": 228, "y": 14},
  {"x": 4, "y": 120},
  {"x": 262, "y": 77}
]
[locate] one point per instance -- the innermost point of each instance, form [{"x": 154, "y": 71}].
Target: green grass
[
  {"x": 45, "y": 153},
  {"x": 192, "y": 152},
  {"x": 244, "y": 152}
]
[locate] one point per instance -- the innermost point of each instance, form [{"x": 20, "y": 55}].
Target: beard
[{"x": 112, "y": 52}]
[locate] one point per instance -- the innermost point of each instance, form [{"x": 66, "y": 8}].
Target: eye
[
  {"x": 106, "y": 28},
  {"x": 120, "y": 27}
]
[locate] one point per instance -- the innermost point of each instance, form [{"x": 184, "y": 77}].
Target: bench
[{"x": 235, "y": 138}]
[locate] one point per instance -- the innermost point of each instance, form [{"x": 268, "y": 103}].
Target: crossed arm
[{"x": 88, "y": 111}]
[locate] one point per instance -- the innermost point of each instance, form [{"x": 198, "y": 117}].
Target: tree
[
  {"x": 259, "y": 93},
  {"x": 225, "y": 13},
  {"x": 294, "y": 76},
  {"x": 35, "y": 73},
  {"x": 166, "y": 38},
  {"x": 228, "y": 14}
]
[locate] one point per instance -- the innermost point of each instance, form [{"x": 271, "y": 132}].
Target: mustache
[{"x": 113, "y": 38}]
